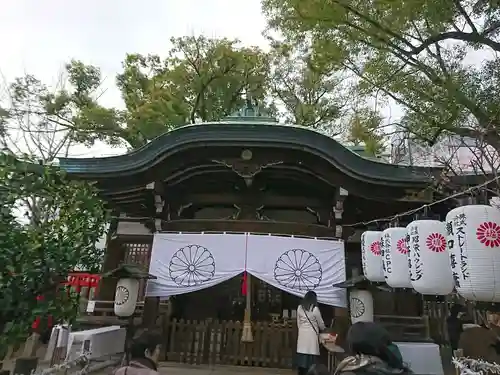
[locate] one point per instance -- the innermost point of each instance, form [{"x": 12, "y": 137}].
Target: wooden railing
[
  {"x": 405, "y": 328},
  {"x": 104, "y": 314},
  {"x": 219, "y": 342}
]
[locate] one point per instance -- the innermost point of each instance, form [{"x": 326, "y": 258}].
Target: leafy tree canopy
[
  {"x": 200, "y": 80},
  {"x": 34, "y": 259},
  {"x": 309, "y": 94},
  {"x": 418, "y": 52}
]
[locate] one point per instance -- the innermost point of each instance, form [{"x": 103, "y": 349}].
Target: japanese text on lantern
[
  {"x": 415, "y": 250},
  {"x": 363, "y": 252},
  {"x": 407, "y": 243},
  {"x": 453, "y": 259},
  {"x": 459, "y": 224},
  {"x": 386, "y": 252}
]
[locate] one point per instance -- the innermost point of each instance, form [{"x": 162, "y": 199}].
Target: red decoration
[
  {"x": 401, "y": 246},
  {"x": 244, "y": 283},
  {"x": 488, "y": 233},
  {"x": 436, "y": 242},
  {"x": 38, "y": 319},
  {"x": 77, "y": 280},
  {"x": 375, "y": 248},
  {"x": 36, "y": 323}
]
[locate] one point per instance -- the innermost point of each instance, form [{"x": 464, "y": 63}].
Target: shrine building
[{"x": 248, "y": 174}]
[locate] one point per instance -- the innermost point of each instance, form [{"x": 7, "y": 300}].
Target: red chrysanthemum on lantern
[
  {"x": 436, "y": 242},
  {"x": 375, "y": 248},
  {"x": 401, "y": 246},
  {"x": 488, "y": 233}
]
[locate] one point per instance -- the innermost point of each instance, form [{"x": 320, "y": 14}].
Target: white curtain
[
  {"x": 189, "y": 262},
  {"x": 297, "y": 265}
]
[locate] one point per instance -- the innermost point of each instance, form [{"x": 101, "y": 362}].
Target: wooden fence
[
  {"x": 405, "y": 328},
  {"x": 104, "y": 313},
  {"x": 438, "y": 311},
  {"x": 219, "y": 342}
]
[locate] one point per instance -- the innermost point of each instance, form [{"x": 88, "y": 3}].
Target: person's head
[
  {"x": 309, "y": 301},
  {"x": 372, "y": 339},
  {"x": 146, "y": 345}
]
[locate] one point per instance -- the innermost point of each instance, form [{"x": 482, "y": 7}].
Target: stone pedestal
[{"x": 25, "y": 366}]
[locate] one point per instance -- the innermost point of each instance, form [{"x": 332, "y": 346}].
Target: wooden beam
[
  {"x": 266, "y": 199},
  {"x": 254, "y": 226}
]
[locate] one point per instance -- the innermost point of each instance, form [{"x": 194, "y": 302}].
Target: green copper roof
[{"x": 247, "y": 134}]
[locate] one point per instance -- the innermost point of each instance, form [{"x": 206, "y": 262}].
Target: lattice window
[
  {"x": 137, "y": 253},
  {"x": 140, "y": 254}
]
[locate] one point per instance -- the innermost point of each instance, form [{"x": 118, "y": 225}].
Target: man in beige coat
[{"x": 482, "y": 342}]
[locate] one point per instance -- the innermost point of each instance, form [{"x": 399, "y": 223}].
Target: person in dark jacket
[
  {"x": 455, "y": 325},
  {"x": 482, "y": 341},
  {"x": 371, "y": 352}
]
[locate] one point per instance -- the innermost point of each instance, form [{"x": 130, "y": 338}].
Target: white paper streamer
[{"x": 469, "y": 366}]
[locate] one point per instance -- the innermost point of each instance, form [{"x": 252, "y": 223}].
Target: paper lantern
[
  {"x": 371, "y": 256},
  {"x": 429, "y": 260},
  {"x": 473, "y": 234},
  {"x": 395, "y": 258},
  {"x": 360, "y": 306},
  {"x": 126, "y": 294}
]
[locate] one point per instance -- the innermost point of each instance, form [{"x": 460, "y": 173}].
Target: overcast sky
[{"x": 39, "y": 37}]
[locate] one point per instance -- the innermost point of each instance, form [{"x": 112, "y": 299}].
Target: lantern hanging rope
[
  {"x": 421, "y": 208},
  {"x": 469, "y": 366}
]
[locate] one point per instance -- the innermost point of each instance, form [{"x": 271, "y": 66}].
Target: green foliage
[
  {"x": 364, "y": 128},
  {"x": 310, "y": 93},
  {"x": 416, "y": 53},
  {"x": 34, "y": 259},
  {"x": 202, "y": 79}
]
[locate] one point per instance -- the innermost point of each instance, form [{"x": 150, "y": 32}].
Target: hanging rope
[{"x": 424, "y": 207}]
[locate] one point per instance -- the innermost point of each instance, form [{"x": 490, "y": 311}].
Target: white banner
[
  {"x": 188, "y": 262},
  {"x": 297, "y": 265}
]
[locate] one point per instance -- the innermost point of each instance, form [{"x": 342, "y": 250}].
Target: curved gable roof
[{"x": 245, "y": 134}]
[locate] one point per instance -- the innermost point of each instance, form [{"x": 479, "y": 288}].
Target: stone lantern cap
[
  {"x": 129, "y": 271},
  {"x": 361, "y": 282}
]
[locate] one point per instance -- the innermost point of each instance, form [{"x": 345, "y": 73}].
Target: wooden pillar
[
  {"x": 341, "y": 324},
  {"x": 115, "y": 253},
  {"x": 337, "y": 211},
  {"x": 151, "y": 312},
  {"x": 157, "y": 189}
]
